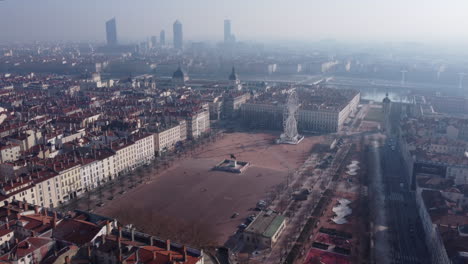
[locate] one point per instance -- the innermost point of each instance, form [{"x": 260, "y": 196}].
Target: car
[
  {"x": 242, "y": 226},
  {"x": 234, "y": 215}
]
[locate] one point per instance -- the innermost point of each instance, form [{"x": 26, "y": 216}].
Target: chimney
[
  {"x": 184, "y": 249},
  {"x": 119, "y": 236},
  {"x": 170, "y": 256},
  {"x": 67, "y": 260},
  {"x": 168, "y": 245},
  {"x": 20, "y": 204},
  {"x": 151, "y": 241},
  {"x": 7, "y": 223},
  {"x": 155, "y": 253},
  {"x": 54, "y": 221},
  {"x": 25, "y": 203},
  {"x": 8, "y": 211},
  {"x": 103, "y": 239},
  {"x": 120, "y": 258},
  {"x": 108, "y": 227},
  {"x": 36, "y": 209},
  {"x": 133, "y": 234}
]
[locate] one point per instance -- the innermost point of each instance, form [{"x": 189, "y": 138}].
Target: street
[{"x": 404, "y": 234}]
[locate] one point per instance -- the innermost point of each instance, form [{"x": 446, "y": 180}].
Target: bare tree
[
  {"x": 195, "y": 233},
  {"x": 100, "y": 192},
  {"x": 131, "y": 178},
  {"x": 88, "y": 199},
  {"x": 141, "y": 176},
  {"x": 122, "y": 183},
  {"x": 112, "y": 189}
]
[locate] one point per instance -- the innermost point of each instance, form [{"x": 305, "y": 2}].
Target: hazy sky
[{"x": 308, "y": 20}]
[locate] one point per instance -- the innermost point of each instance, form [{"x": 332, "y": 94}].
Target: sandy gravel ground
[{"x": 191, "y": 191}]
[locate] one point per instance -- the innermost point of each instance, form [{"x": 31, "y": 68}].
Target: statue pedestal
[{"x": 289, "y": 140}]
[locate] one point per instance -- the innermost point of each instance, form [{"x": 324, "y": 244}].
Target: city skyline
[
  {"x": 111, "y": 32},
  {"x": 178, "y": 35},
  {"x": 266, "y": 131},
  {"x": 227, "y": 30},
  {"x": 361, "y": 20}
]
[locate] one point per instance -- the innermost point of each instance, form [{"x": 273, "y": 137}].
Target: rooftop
[{"x": 266, "y": 223}]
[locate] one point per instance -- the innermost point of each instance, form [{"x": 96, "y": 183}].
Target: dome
[
  {"x": 386, "y": 99},
  {"x": 179, "y": 74}
]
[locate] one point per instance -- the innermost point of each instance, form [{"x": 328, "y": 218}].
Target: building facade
[
  {"x": 111, "y": 32},
  {"x": 178, "y": 35},
  {"x": 265, "y": 230},
  {"x": 166, "y": 139},
  {"x": 198, "y": 123}
]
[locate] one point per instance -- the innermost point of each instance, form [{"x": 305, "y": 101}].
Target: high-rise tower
[
  {"x": 227, "y": 31},
  {"x": 162, "y": 38},
  {"x": 178, "y": 35},
  {"x": 154, "y": 41},
  {"x": 111, "y": 32}
]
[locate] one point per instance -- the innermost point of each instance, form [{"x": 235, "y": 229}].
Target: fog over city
[
  {"x": 233, "y": 132},
  {"x": 443, "y": 22}
]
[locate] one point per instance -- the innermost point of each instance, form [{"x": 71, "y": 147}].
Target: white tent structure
[{"x": 342, "y": 210}]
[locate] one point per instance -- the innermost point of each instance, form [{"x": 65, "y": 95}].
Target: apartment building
[
  {"x": 166, "y": 138},
  {"x": 134, "y": 152},
  {"x": 317, "y": 114},
  {"x": 232, "y": 103},
  {"x": 47, "y": 190},
  {"x": 9, "y": 152},
  {"x": 97, "y": 168},
  {"x": 69, "y": 185},
  {"x": 26, "y": 139},
  {"x": 144, "y": 148},
  {"x": 198, "y": 123},
  {"x": 20, "y": 189}
]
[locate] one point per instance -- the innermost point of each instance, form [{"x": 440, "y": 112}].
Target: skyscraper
[
  {"x": 111, "y": 32},
  {"x": 154, "y": 41},
  {"x": 162, "y": 38},
  {"x": 178, "y": 35},
  {"x": 227, "y": 31}
]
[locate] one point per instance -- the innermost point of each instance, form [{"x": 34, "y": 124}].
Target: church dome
[
  {"x": 386, "y": 99},
  {"x": 179, "y": 74}
]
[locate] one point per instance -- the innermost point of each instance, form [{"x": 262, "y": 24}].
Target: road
[{"x": 404, "y": 233}]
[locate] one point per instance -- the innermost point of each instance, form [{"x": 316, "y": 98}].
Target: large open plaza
[{"x": 192, "y": 191}]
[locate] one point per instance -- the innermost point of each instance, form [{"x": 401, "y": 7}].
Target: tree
[
  {"x": 131, "y": 178},
  {"x": 122, "y": 183},
  {"x": 88, "y": 199},
  {"x": 100, "y": 192},
  {"x": 112, "y": 189},
  {"x": 141, "y": 176}
]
